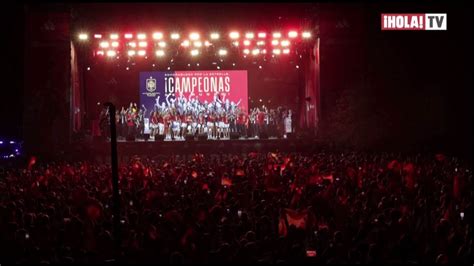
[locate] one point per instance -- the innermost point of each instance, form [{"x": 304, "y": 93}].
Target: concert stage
[{"x": 100, "y": 150}]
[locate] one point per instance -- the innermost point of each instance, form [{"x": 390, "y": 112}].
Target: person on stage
[{"x": 153, "y": 123}]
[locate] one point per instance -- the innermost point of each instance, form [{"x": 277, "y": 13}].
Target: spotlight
[
  {"x": 260, "y": 43},
  {"x": 141, "y": 36},
  {"x": 292, "y": 34},
  {"x": 142, "y": 44},
  {"x": 246, "y": 51},
  {"x": 197, "y": 44},
  {"x": 197, "y": 64},
  {"x": 233, "y": 64},
  {"x": 218, "y": 67},
  {"x": 111, "y": 53},
  {"x": 189, "y": 65},
  {"x": 275, "y": 42},
  {"x": 174, "y": 36},
  {"x": 127, "y": 68},
  {"x": 132, "y": 44},
  {"x": 157, "y": 35},
  {"x": 100, "y": 52},
  {"x": 285, "y": 43},
  {"x": 169, "y": 68},
  {"x": 160, "y": 53},
  {"x": 207, "y": 44},
  {"x": 249, "y": 35},
  {"x": 276, "y": 51},
  {"x": 215, "y": 36},
  {"x": 104, "y": 44},
  {"x": 276, "y": 35},
  {"x": 153, "y": 65},
  {"x": 246, "y": 42},
  {"x": 194, "y": 52},
  {"x": 255, "y": 51},
  {"x": 83, "y": 36},
  {"x": 128, "y": 35},
  {"x": 88, "y": 68},
  {"x": 286, "y": 51},
  {"x": 115, "y": 44},
  {"x": 194, "y": 36},
  {"x": 262, "y": 35},
  {"x": 306, "y": 34},
  {"x": 236, "y": 43},
  {"x": 98, "y": 36},
  {"x": 185, "y": 43},
  {"x": 234, "y": 35},
  {"x": 222, "y": 52},
  {"x": 297, "y": 66},
  {"x": 114, "y": 36},
  {"x": 162, "y": 44},
  {"x": 141, "y": 53},
  {"x": 131, "y": 52}
]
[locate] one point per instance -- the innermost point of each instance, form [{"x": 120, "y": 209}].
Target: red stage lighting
[
  {"x": 131, "y": 52},
  {"x": 214, "y": 36},
  {"x": 276, "y": 51},
  {"x": 286, "y": 51},
  {"x": 246, "y": 42},
  {"x": 115, "y": 44},
  {"x": 160, "y": 53},
  {"x": 275, "y": 42},
  {"x": 100, "y": 52},
  {"x": 83, "y": 36},
  {"x": 197, "y": 44},
  {"x": 142, "y": 44},
  {"x": 255, "y": 51},
  {"x": 249, "y": 35},
  {"x": 185, "y": 43},
  {"x": 97, "y": 36},
  {"x": 262, "y": 35},
  {"x": 175, "y": 36},
  {"x": 132, "y": 44},
  {"x": 114, "y": 36},
  {"x": 285, "y": 43},
  {"x": 162, "y": 44},
  {"x": 246, "y": 51},
  {"x": 194, "y": 52},
  {"x": 142, "y": 53},
  {"x": 128, "y": 35},
  {"x": 141, "y": 36},
  {"x": 222, "y": 52},
  {"x": 276, "y": 35}
]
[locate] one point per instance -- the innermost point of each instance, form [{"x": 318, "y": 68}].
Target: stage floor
[{"x": 148, "y": 148}]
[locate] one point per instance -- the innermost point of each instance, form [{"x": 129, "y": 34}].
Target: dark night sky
[{"x": 414, "y": 63}]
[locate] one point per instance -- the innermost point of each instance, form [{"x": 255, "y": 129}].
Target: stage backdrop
[{"x": 227, "y": 84}]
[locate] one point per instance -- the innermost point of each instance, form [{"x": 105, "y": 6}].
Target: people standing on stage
[{"x": 260, "y": 122}]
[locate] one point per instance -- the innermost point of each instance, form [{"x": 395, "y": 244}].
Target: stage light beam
[
  {"x": 234, "y": 35},
  {"x": 83, "y": 36},
  {"x": 249, "y": 35},
  {"x": 157, "y": 35},
  {"x": 175, "y": 36},
  {"x": 111, "y": 53},
  {"x": 185, "y": 43},
  {"x": 194, "y": 36},
  {"x": 306, "y": 35},
  {"x": 285, "y": 43},
  {"x": 104, "y": 44},
  {"x": 162, "y": 44},
  {"x": 222, "y": 52}
]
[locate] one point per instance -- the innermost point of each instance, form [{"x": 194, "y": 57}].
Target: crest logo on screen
[
  {"x": 420, "y": 21},
  {"x": 151, "y": 84}
]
